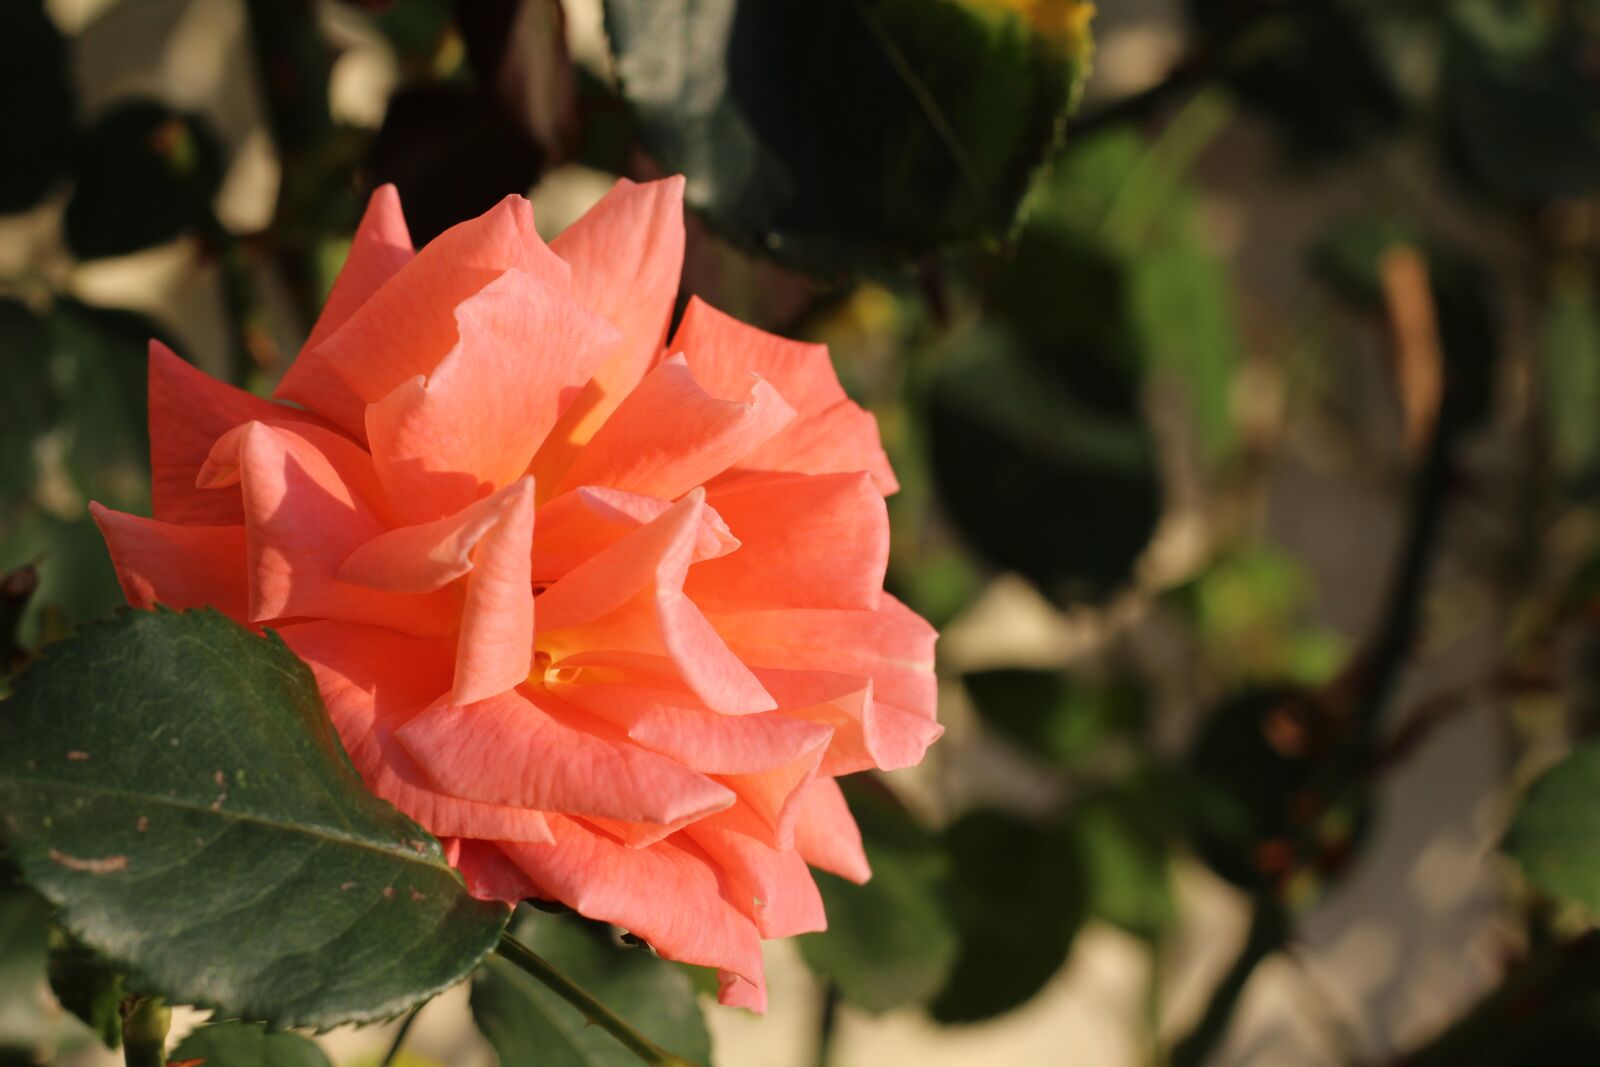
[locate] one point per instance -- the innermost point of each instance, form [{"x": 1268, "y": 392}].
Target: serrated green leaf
[
  {"x": 529, "y": 1026},
  {"x": 889, "y": 943},
  {"x": 248, "y": 1045},
  {"x": 173, "y": 784},
  {"x": 841, "y": 134}
]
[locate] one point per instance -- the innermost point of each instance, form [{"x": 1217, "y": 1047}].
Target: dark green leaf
[
  {"x": 889, "y": 943},
  {"x": 1520, "y": 97},
  {"x": 529, "y": 1025},
  {"x": 1064, "y": 718},
  {"x": 1313, "y": 72},
  {"x": 848, "y": 133},
  {"x": 1554, "y": 831},
  {"x": 36, "y": 105},
  {"x": 28, "y": 405},
  {"x": 1018, "y": 899},
  {"x": 1264, "y": 800},
  {"x": 148, "y": 175},
  {"x": 88, "y": 988},
  {"x": 1569, "y": 376},
  {"x": 173, "y": 784},
  {"x": 101, "y": 353},
  {"x": 1061, "y": 489},
  {"x": 1123, "y": 842},
  {"x": 248, "y": 1045}
]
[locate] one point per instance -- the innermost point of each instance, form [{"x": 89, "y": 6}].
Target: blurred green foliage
[{"x": 1153, "y": 359}]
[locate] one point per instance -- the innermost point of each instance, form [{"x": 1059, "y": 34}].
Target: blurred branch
[{"x": 1269, "y": 929}]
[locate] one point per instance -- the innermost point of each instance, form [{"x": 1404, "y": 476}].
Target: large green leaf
[
  {"x": 36, "y": 105},
  {"x": 1018, "y": 899},
  {"x": 248, "y": 1045},
  {"x": 849, "y": 133},
  {"x": 529, "y": 1026},
  {"x": 147, "y": 175},
  {"x": 173, "y": 784},
  {"x": 889, "y": 943},
  {"x": 1061, "y": 489},
  {"x": 1555, "y": 832}
]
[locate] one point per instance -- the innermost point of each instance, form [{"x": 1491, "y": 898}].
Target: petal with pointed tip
[{"x": 179, "y": 566}]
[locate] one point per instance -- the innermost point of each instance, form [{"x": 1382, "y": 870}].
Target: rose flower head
[{"x": 601, "y": 610}]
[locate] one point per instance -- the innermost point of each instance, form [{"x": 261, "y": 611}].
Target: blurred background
[{"x": 1248, "y": 423}]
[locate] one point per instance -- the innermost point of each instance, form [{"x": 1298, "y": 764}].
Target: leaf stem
[
  {"x": 521, "y": 956},
  {"x": 400, "y": 1036},
  {"x": 145, "y": 1021}
]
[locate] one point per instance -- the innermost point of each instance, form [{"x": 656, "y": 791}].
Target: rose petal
[
  {"x": 179, "y": 566},
  {"x": 626, "y": 254},
  {"x": 809, "y": 541},
  {"x": 722, "y": 352},
  {"x": 779, "y": 892},
  {"x": 671, "y": 435},
  {"x": 373, "y": 681},
  {"x": 189, "y": 410},
  {"x": 826, "y": 833},
  {"x": 406, "y": 327},
  {"x": 629, "y": 598},
  {"x": 510, "y": 750},
  {"x": 672, "y": 895},
  {"x": 523, "y": 352},
  {"x": 382, "y": 245}
]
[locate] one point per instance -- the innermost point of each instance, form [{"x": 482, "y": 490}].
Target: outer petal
[
  {"x": 809, "y": 541},
  {"x": 629, "y": 598},
  {"x": 304, "y": 515},
  {"x": 406, "y": 327},
  {"x": 510, "y": 750},
  {"x": 490, "y": 875},
  {"x": 826, "y": 833},
  {"x": 721, "y": 350},
  {"x": 866, "y": 732},
  {"x": 189, "y": 410},
  {"x": 892, "y": 646},
  {"x": 179, "y": 566},
  {"x": 671, "y": 895},
  {"x": 373, "y": 681},
  {"x": 382, "y": 245},
  {"x": 671, "y": 435},
  {"x": 779, "y": 892},
  {"x": 523, "y": 352},
  {"x": 626, "y": 254}
]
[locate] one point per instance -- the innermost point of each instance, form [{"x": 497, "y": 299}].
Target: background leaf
[
  {"x": 764, "y": 107},
  {"x": 148, "y": 174},
  {"x": 248, "y": 1045},
  {"x": 1554, "y": 831},
  {"x": 529, "y": 1026},
  {"x": 889, "y": 943},
  {"x": 37, "y": 123},
  {"x": 173, "y": 784}
]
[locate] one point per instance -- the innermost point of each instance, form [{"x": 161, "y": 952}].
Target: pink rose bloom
[{"x": 603, "y": 612}]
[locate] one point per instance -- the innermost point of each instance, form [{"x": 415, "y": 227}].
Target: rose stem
[{"x": 516, "y": 953}]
